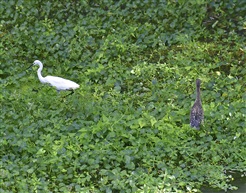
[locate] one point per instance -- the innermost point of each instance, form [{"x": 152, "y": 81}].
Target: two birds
[{"x": 196, "y": 114}]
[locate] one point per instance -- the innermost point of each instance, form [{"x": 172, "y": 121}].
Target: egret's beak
[{"x": 30, "y": 66}]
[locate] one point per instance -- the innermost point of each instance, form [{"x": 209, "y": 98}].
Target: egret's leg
[
  {"x": 34, "y": 90},
  {"x": 72, "y": 91}
]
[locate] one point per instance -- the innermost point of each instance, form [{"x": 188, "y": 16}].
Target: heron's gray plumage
[{"x": 196, "y": 114}]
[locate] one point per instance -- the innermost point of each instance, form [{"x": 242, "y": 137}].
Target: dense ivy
[{"x": 126, "y": 129}]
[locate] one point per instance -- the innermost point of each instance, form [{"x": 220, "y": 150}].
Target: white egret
[{"x": 59, "y": 83}]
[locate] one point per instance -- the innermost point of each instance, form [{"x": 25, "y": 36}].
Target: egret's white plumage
[{"x": 59, "y": 83}]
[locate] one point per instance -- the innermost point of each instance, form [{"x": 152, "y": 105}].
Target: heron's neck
[
  {"x": 40, "y": 77},
  {"x": 198, "y": 93}
]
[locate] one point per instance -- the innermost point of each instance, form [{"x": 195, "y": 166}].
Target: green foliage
[{"x": 126, "y": 129}]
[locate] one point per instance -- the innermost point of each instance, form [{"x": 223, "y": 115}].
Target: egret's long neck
[{"x": 41, "y": 78}]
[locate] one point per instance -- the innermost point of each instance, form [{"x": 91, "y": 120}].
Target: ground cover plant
[{"x": 126, "y": 129}]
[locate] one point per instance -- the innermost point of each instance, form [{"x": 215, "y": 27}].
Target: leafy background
[{"x": 126, "y": 129}]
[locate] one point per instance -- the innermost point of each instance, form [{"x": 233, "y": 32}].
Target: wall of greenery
[{"x": 126, "y": 129}]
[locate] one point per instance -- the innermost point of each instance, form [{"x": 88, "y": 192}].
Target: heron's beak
[{"x": 30, "y": 66}]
